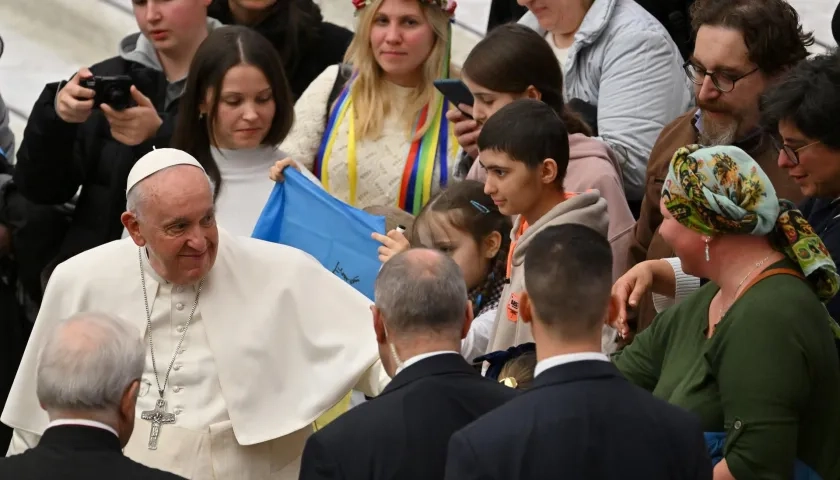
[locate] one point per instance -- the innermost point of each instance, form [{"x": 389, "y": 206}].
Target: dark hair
[
  {"x": 291, "y": 25},
  {"x": 772, "y": 33},
  {"x": 528, "y": 131},
  {"x": 470, "y": 210},
  {"x": 513, "y": 57},
  {"x": 225, "y": 48},
  {"x": 809, "y": 97},
  {"x": 556, "y": 261}
]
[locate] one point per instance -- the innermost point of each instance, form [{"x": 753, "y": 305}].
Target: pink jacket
[{"x": 593, "y": 166}]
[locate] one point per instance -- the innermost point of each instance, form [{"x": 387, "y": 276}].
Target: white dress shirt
[
  {"x": 193, "y": 392},
  {"x": 82, "y": 423},
  {"x": 411, "y": 361},
  {"x": 557, "y": 360}
]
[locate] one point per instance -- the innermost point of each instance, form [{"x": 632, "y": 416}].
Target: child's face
[
  {"x": 514, "y": 188},
  {"x": 437, "y": 232}
]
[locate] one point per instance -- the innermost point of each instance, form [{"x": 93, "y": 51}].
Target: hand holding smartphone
[{"x": 455, "y": 91}]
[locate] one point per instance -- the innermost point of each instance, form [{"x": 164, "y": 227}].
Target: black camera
[{"x": 113, "y": 90}]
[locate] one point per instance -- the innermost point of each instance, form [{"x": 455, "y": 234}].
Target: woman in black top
[{"x": 306, "y": 43}]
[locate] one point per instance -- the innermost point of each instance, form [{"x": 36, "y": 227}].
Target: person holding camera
[{"x": 89, "y": 131}]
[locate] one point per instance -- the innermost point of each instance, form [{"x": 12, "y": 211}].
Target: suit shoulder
[
  {"x": 15, "y": 462},
  {"x": 494, "y": 389},
  {"x": 150, "y": 472},
  {"x": 365, "y": 417}
]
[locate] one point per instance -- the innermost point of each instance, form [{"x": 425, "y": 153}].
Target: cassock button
[
  {"x": 178, "y": 411},
  {"x": 177, "y": 367},
  {"x": 180, "y": 328},
  {"x": 179, "y": 289},
  {"x": 177, "y": 389},
  {"x": 179, "y": 306}
]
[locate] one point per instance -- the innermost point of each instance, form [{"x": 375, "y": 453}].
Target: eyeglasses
[
  {"x": 723, "y": 83},
  {"x": 791, "y": 153}
]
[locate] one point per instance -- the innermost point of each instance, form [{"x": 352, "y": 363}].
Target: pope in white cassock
[{"x": 248, "y": 341}]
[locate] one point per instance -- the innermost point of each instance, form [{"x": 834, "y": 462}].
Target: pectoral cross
[{"x": 158, "y": 417}]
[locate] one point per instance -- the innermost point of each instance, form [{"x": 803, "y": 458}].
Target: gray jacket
[{"x": 624, "y": 62}]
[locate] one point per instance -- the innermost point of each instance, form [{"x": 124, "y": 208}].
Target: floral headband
[{"x": 447, "y": 6}]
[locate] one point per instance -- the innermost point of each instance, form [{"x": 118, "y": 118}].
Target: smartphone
[{"x": 455, "y": 91}]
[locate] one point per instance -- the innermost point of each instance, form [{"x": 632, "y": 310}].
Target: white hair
[
  {"x": 138, "y": 195},
  {"x": 88, "y": 362},
  {"x": 421, "y": 294}
]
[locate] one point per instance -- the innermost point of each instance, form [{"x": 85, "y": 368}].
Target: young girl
[
  {"x": 463, "y": 222},
  {"x": 514, "y": 62},
  {"x": 385, "y": 140},
  {"x": 235, "y": 110}
]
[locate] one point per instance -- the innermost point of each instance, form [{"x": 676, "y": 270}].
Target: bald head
[
  {"x": 88, "y": 362},
  {"x": 421, "y": 291}
]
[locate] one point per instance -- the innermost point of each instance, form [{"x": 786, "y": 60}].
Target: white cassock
[{"x": 276, "y": 340}]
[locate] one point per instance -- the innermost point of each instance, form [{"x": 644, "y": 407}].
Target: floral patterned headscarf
[{"x": 722, "y": 190}]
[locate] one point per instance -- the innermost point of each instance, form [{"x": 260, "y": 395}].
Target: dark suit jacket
[
  {"x": 403, "y": 433},
  {"x": 581, "y": 421},
  {"x": 73, "y": 452}
]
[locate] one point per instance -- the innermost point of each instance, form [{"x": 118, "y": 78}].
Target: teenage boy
[
  {"x": 69, "y": 143},
  {"x": 525, "y": 149}
]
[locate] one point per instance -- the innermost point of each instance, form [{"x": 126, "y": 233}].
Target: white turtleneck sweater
[{"x": 245, "y": 186}]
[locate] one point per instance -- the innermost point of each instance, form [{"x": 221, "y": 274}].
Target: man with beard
[{"x": 741, "y": 48}]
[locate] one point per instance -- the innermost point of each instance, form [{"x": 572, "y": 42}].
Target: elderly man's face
[
  {"x": 726, "y": 116},
  {"x": 177, "y": 224}
]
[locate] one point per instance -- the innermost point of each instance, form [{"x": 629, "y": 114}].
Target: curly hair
[{"x": 772, "y": 32}]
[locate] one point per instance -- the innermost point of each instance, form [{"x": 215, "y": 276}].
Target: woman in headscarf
[{"x": 752, "y": 351}]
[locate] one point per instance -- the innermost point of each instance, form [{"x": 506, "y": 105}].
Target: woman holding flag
[{"x": 385, "y": 139}]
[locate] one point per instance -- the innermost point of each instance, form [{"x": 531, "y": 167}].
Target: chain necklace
[
  {"x": 721, "y": 310},
  {"x": 159, "y": 415},
  {"x": 161, "y": 389}
]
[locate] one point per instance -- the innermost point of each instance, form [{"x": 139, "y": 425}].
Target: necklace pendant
[{"x": 159, "y": 416}]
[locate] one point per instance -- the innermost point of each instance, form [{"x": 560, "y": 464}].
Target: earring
[
  {"x": 201, "y": 116},
  {"x": 707, "y": 249}
]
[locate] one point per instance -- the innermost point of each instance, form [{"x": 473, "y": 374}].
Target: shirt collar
[
  {"x": 82, "y": 423},
  {"x": 558, "y": 360},
  {"x": 422, "y": 356}
]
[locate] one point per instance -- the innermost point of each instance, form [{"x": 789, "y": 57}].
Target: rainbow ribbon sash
[{"x": 418, "y": 173}]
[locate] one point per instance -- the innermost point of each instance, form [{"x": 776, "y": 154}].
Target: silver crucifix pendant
[{"x": 158, "y": 417}]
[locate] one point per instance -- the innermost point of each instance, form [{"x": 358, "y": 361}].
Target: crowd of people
[{"x": 616, "y": 261}]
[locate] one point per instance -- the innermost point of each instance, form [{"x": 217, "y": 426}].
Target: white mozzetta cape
[{"x": 290, "y": 339}]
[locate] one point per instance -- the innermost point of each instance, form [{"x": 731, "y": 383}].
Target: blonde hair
[
  {"x": 371, "y": 96},
  {"x": 518, "y": 372}
]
